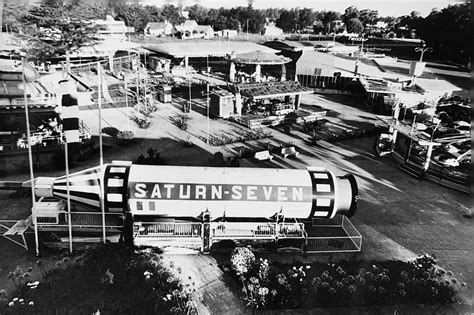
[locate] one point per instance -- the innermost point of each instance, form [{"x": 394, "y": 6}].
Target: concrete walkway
[{"x": 217, "y": 290}]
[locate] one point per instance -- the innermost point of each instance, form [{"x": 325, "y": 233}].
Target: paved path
[{"x": 216, "y": 289}]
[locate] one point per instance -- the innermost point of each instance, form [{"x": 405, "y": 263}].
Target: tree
[
  {"x": 172, "y": 14},
  {"x": 368, "y": 16},
  {"x": 350, "y": 13},
  {"x": 448, "y": 32},
  {"x": 198, "y": 13},
  {"x": 354, "y": 26},
  {"x": 13, "y": 13},
  {"x": 318, "y": 27},
  {"x": 288, "y": 20},
  {"x": 53, "y": 29},
  {"x": 134, "y": 15},
  {"x": 328, "y": 17},
  {"x": 256, "y": 21},
  {"x": 306, "y": 18}
]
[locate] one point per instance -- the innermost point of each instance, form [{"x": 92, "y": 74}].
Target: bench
[
  {"x": 263, "y": 155},
  {"x": 288, "y": 151}
]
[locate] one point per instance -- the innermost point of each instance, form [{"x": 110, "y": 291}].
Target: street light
[{"x": 423, "y": 50}]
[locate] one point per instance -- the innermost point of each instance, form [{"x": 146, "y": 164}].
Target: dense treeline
[{"x": 447, "y": 31}]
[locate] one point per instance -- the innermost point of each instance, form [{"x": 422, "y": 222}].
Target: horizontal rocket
[{"x": 183, "y": 191}]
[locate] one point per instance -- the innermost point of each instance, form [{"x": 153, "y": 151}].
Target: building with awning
[
  {"x": 258, "y": 59},
  {"x": 272, "y": 90},
  {"x": 269, "y": 92}
]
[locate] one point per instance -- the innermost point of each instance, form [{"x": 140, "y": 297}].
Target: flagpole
[
  {"x": 101, "y": 154},
  {"x": 68, "y": 199},
  {"x": 30, "y": 159},
  {"x": 138, "y": 84},
  {"x": 207, "y": 95},
  {"x": 126, "y": 104}
]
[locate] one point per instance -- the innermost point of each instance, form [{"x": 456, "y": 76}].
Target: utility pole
[{"x": 247, "y": 29}]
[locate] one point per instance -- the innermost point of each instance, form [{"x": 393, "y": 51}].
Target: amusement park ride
[{"x": 189, "y": 204}]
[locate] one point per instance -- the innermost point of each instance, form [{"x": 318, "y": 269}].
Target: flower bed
[
  {"x": 110, "y": 278},
  {"x": 348, "y": 283}
]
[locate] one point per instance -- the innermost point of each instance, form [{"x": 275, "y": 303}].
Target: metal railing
[
  {"x": 352, "y": 242},
  {"x": 167, "y": 230},
  {"x": 256, "y": 230},
  {"x": 84, "y": 219},
  {"x": 229, "y": 230}
]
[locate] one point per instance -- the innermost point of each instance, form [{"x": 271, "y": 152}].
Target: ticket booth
[
  {"x": 222, "y": 104},
  {"x": 164, "y": 94}
]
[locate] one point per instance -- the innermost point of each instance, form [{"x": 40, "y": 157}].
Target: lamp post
[{"x": 422, "y": 50}]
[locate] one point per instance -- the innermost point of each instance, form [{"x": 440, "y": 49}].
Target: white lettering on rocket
[
  {"x": 168, "y": 190},
  {"x": 156, "y": 193},
  {"x": 251, "y": 193},
  {"x": 267, "y": 191},
  {"x": 140, "y": 191},
  {"x": 221, "y": 192},
  {"x": 200, "y": 192},
  {"x": 282, "y": 193},
  {"x": 237, "y": 192},
  {"x": 216, "y": 192},
  {"x": 297, "y": 193},
  {"x": 182, "y": 194}
]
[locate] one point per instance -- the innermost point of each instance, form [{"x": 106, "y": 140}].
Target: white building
[
  {"x": 271, "y": 30},
  {"x": 111, "y": 28},
  {"x": 159, "y": 29},
  {"x": 190, "y": 29}
]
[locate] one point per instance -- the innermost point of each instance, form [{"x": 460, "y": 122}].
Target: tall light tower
[{"x": 422, "y": 50}]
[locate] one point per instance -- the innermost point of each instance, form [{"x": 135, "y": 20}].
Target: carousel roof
[
  {"x": 259, "y": 57},
  {"x": 204, "y": 48}
]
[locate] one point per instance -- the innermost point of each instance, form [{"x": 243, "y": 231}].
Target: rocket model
[{"x": 179, "y": 191}]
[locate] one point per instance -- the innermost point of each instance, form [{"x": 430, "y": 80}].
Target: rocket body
[{"x": 178, "y": 191}]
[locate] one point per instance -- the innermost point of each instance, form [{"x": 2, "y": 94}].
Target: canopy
[
  {"x": 260, "y": 58},
  {"x": 204, "y": 48}
]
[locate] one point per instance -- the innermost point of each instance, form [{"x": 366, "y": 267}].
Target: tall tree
[
  {"x": 288, "y": 20},
  {"x": 350, "y": 13},
  {"x": 13, "y": 13},
  {"x": 328, "y": 17},
  {"x": 198, "y": 13},
  {"x": 306, "y": 18},
  {"x": 448, "y": 32},
  {"x": 56, "y": 28},
  {"x": 354, "y": 26},
  {"x": 368, "y": 16},
  {"x": 172, "y": 14}
]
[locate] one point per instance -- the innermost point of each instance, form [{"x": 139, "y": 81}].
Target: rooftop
[
  {"x": 204, "y": 48},
  {"x": 272, "y": 89},
  {"x": 260, "y": 58}
]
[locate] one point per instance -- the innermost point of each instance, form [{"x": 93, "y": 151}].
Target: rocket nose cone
[{"x": 82, "y": 187}]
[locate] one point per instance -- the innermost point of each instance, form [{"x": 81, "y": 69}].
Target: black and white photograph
[{"x": 236, "y": 157}]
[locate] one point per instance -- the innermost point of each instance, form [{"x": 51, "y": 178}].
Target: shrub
[
  {"x": 280, "y": 286},
  {"x": 242, "y": 259},
  {"x": 181, "y": 121},
  {"x": 125, "y": 136},
  {"x": 111, "y": 278}
]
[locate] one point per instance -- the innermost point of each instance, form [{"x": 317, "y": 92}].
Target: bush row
[{"x": 354, "y": 283}]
